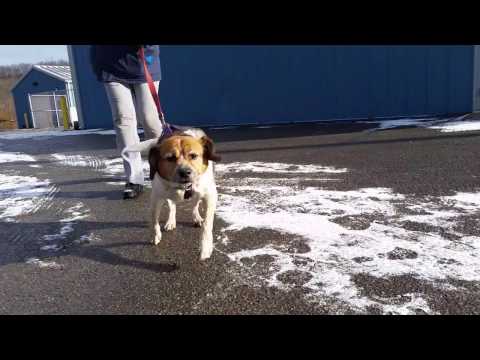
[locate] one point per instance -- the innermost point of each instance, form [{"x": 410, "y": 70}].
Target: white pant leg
[
  {"x": 122, "y": 105},
  {"x": 146, "y": 109}
]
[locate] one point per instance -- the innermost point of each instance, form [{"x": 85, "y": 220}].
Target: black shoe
[{"x": 132, "y": 191}]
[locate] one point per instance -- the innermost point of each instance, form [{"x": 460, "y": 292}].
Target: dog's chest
[{"x": 179, "y": 195}]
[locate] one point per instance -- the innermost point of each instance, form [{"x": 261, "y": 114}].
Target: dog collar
[{"x": 188, "y": 192}]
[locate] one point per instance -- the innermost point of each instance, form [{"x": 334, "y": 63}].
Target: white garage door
[{"x": 45, "y": 109}]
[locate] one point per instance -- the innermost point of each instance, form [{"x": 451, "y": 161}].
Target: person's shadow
[
  {"x": 102, "y": 254},
  {"x": 20, "y": 243}
]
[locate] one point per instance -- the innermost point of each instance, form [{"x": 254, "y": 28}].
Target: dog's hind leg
[
  {"x": 206, "y": 239},
  {"x": 197, "y": 218},
  {"x": 156, "y": 208},
  {"x": 172, "y": 213}
]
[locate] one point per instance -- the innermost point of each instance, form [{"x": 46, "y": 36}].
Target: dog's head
[{"x": 181, "y": 159}]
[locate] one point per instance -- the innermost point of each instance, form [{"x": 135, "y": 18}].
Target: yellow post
[
  {"x": 25, "y": 116},
  {"x": 66, "y": 116}
]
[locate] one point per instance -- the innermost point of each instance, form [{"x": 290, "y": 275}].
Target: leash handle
[{"x": 153, "y": 90}]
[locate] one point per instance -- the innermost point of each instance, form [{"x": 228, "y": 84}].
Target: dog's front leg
[
  {"x": 172, "y": 213},
  {"x": 155, "y": 209},
  {"x": 197, "y": 218},
  {"x": 206, "y": 239}
]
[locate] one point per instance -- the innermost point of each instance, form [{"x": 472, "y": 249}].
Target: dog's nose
[{"x": 185, "y": 173}]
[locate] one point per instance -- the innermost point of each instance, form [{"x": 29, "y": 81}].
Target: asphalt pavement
[{"x": 313, "y": 219}]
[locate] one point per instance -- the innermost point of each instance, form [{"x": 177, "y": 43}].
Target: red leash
[{"x": 154, "y": 92}]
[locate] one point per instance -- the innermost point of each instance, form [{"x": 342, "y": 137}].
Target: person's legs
[
  {"x": 124, "y": 119},
  {"x": 146, "y": 110}
]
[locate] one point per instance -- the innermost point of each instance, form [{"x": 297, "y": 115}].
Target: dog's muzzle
[{"x": 184, "y": 175}]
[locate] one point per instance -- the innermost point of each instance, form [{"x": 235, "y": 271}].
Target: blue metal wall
[
  {"x": 217, "y": 85},
  {"x": 21, "y": 91}
]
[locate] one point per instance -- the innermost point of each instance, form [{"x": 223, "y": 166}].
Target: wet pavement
[{"x": 312, "y": 219}]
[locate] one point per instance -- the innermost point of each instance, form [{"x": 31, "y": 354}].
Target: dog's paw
[
  {"x": 205, "y": 254},
  {"x": 156, "y": 239},
  {"x": 198, "y": 222},
  {"x": 197, "y": 219},
  {"x": 156, "y": 234},
  {"x": 170, "y": 225}
]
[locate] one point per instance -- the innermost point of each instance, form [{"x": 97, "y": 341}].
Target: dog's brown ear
[
  {"x": 209, "y": 149},
  {"x": 153, "y": 157}
]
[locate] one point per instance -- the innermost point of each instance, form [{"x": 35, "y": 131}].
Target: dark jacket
[{"x": 121, "y": 63}]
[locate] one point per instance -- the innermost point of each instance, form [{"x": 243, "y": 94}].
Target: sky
[{"x": 15, "y": 54}]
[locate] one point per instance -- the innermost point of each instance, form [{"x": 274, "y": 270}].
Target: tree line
[{"x": 17, "y": 70}]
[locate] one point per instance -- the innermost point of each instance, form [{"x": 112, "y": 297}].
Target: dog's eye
[
  {"x": 193, "y": 156},
  {"x": 171, "y": 158}
]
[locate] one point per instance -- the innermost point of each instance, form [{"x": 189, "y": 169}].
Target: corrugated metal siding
[
  {"x": 216, "y": 85},
  {"x": 60, "y": 71},
  {"x": 476, "y": 78},
  {"x": 93, "y": 99},
  {"x": 20, "y": 93}
]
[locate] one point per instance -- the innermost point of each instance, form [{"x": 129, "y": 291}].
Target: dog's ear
[
  {"x": 153, "y": 157},
  {"x": 209, "y": 149}
]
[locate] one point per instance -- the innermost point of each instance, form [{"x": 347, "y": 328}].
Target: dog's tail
[{"x": 141, "y": 147}]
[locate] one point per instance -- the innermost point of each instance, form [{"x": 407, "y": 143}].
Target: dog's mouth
[
  {"x": 182, "y": 181},
  {"x": 185, "y": 183},
  {"x": 182, "y": 184}
]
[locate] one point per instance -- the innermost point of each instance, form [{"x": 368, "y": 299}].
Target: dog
[{"x": 182, "y": 169}]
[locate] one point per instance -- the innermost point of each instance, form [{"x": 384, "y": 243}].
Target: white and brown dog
[{"x": 181, "y": 168}]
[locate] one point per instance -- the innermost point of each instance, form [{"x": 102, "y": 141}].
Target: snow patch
[
  {"x": 110, "y": 167},
  {"x": 43, "y": 264},
  {"x": 444, "y": 124},
  {"x": 6, "y": 157},
  {"x": 20, "y": 195},
  {"x": 349, "y": 232},
  {"x": 458, "y": 126},
  {"x": 278, "y": 168},
  {"x": 89, "y": 238},
  {"x": 51, "y": 247},
  {"x": 74, "y": 213},
  {"x": 395, "y": 123}
]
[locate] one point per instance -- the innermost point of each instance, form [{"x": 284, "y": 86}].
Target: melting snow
[
  {"x": 457, "y": 126},
  {"x": 21, "y": 195},
  {"x": 43, "y": 264},
  {"x": 260, "y": 167},
  {"x": 74, "y": 214},
  {"x": 381, "y": 246},
  {"x": 442, "y": 124},
  {"x": 392, "y": 124},
  {"x": 15, "y": 157},
  {"x": 111, "y": 167}
]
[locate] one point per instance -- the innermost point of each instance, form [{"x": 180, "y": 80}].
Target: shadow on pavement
[
  {"x": 350, "y": 143},
  {"x": 23, "y": 241},
  {"x": 93, "y": 143},
  {"x": 103, "y": 255}
]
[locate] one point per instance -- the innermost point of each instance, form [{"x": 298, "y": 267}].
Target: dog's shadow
[{"x": 103, "y": 253}]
